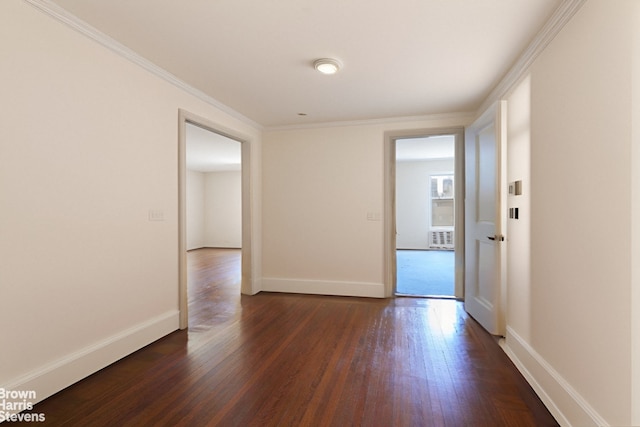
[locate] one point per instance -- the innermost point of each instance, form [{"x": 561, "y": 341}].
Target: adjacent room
[{"x": 425, "y": 216}]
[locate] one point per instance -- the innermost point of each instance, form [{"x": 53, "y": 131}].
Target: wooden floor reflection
[{"x": 303, "y": 360}]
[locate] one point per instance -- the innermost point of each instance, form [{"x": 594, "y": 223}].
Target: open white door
[{"x": 485, "y": 215}]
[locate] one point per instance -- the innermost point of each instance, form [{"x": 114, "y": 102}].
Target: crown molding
[
  {"x": 552, "y": 27},
  {"x": 547, "y": 33},
  {"x": 61, "y": 15},
  {"x": 462, "y": 119}
]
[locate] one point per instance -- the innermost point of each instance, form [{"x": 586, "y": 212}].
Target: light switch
[
  {"x": 156, "y": 215},
  {"x": 373, "y": 216},
  {"x": 518, "y": 188}
]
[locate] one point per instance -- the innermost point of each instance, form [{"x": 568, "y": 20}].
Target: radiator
[{"x": 441, "y": 239}]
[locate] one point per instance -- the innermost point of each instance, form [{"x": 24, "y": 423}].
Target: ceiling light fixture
[{"x": 327, "y": 65}]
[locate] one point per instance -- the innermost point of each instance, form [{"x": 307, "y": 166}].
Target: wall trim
[
  {"x": 59, "y": 374},
  {"x": 551, "y": 28},
  {"x": 323, "y": 287},
  {"x": 75, "y": 23},
  {"x": 554, "y": 391},
  {"x": 461, "y": 118},
  {"x": 214, "y": 247}
]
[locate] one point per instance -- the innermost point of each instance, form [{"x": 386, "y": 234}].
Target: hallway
[{"x": 305, "y": 360}]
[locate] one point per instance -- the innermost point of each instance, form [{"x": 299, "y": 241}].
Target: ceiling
[{"x": 401, "y": 58}]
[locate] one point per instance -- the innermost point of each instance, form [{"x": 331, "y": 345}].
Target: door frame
[
  {"x": 390, "y": 138},
  {"x": 248, "y": 249}
]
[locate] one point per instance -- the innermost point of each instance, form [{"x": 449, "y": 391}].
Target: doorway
[
  {"x": 214, "y": 189},
  {"x": 425, "y": 216},
  {"x": 231, "y": 225},
  {"x": 424, "y": 213}
]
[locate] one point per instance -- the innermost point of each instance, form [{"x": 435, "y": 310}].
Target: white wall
[
  {"x": 323, "y": 205},
  {"x": 413, "y": 210},
  {"x": 519, "y": 231},
  {"x": 195, "y": 210},
  {"x": 214, "y": 209},
  {"x": 569, "y": 311},
  {"x": 88, "y": 145},
  {"x": 223, "y": 209}
]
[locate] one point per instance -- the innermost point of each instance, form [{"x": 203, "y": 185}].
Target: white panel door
[{"x": 485, "y": 214}]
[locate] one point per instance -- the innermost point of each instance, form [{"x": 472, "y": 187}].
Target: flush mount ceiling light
[{"x": 327, "y": 65}]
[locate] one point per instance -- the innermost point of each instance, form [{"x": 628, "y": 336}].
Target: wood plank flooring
[{"x": 301, "y": 360}]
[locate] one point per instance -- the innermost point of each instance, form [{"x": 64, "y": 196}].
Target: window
[{"x": 442, "y": 208}]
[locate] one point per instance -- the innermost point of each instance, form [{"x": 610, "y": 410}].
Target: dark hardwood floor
[{"x": 301, "y": 360}]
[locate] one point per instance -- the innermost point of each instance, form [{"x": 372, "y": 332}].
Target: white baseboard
[
  {"x": 567, "y": 406},
  {"x": 323, "y": 287},
  {"x": 59, "y": 374}
]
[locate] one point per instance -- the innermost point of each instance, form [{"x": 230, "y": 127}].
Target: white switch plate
[
  {"x": 374, "y": 216},
  {"x": 156, "y": 215}
]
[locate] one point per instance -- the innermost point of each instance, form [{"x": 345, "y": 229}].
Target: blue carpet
[{"x": 425, "y": 272}]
